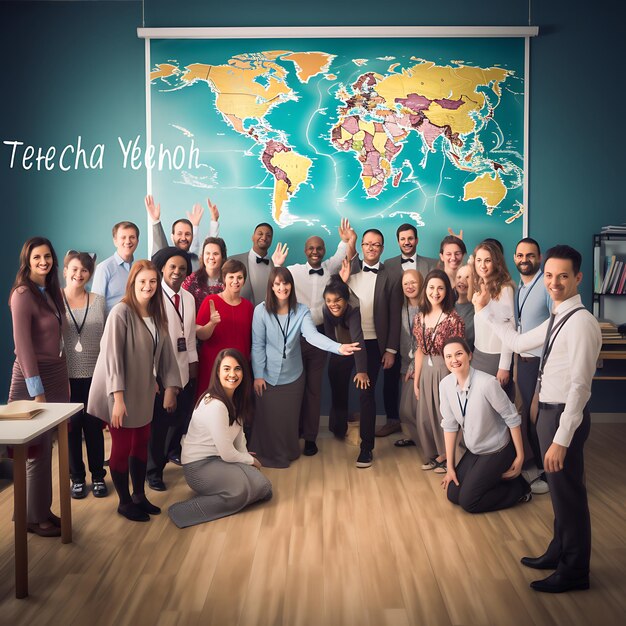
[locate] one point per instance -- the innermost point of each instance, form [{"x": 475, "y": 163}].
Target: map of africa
[{"x": 386, "y": 130}]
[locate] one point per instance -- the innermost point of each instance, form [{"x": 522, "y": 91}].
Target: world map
[{"x": 320, "y": 132}]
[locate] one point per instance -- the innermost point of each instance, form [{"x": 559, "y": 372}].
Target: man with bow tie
[
  {"x": 408, "y": 259},
  {"x": 380, "y": 298},
  {"x": 310, "y": 278}
]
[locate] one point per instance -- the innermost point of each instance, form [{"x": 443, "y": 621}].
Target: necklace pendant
[
  {"x": 79, "y": 346},
  {"x": 430, "y": 361}
]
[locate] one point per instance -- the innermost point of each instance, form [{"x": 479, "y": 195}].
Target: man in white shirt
[
  {"x": 532, "y": 307},
  {"x": 380, "y": 301},
  {"x": 185, "y": 232},
  {"x": 408, "y": 259},
  {"x": 310, "y": 278},
  {"x": 572, "y": 342},
  {"x": 258, "y": 263},
  {"x": 180, "y": 309}
]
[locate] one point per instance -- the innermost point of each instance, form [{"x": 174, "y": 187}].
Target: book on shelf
[
  {"x": 614, "y": 275},
  {"x": 20, "y": 410}
]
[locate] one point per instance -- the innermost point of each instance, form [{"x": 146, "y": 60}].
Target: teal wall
[{"x": 76, "y": 68}]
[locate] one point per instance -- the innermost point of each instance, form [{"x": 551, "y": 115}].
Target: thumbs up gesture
[{"x": 214, "y": 314}]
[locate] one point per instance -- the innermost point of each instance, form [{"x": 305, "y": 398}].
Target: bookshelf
[{"x": 609, "y": 302}]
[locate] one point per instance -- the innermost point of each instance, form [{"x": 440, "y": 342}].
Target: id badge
[{"x": 181, "y": 344}]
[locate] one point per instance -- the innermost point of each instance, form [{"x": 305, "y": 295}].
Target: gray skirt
[
  {"x": 223, "y": 489},
  {"x": 429, "y": 431},
  {"x": 408, "y": 409},
  {"x": 275, "y": 430},
  {"x": 489, "y": 363}
]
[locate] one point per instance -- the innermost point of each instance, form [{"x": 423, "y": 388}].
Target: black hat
[{"x": 161, "y": 257}]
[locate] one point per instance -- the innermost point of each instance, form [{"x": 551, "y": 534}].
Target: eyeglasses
[{"x": 372, "y": 245}]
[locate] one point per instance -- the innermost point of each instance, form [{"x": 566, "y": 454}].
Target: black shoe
[
  {"x": 99, "y": 489},
  {"x": 365, "y": 459},
  {"x": 145, "y": 505},
  {"x": 557, "y": 583},
  {"x": 78, "y": 491},
  {"x": 156, "y": 484},
  {"x": 310, "y": 448},
  {"x": 539, "y": 562},
  {"x": 132, "y": 512},
  {"x": 174, "y": 458}
]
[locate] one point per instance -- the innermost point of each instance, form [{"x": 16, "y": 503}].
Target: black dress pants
[
  {"x": 314, "y": 362},
  {"x": 571, "y": 544},
  {"x": 391, "y": 389},
  {"x": 527, "y": 372}
]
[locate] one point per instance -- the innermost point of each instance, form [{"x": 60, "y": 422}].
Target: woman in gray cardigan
[{"x": 135, "y": 350}]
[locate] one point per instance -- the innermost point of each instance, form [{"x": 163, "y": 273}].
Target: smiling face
[
  {"x": 212, "y": 258},
  {"x": 410, "y": 284},
  {"x": 407, "y": 242},
  {"x": 182, "y": 236},
  {"x": 457, "y": 359},
  {"x": 262, "y": 240},
  {"x": 126, "y": 242},
  {"x": 483, "y": 263},
  {"x": 230, "y": 375},
  {"x": 527, "y": 259},
  {"x": 336, "y": 304},
  {"x": 435, "y": 292},
  {"x": 462, "y": 279},
  {"x": 40, "y": 263},
  {"x": 372, "y": 246},
  {"x": 175, "y": 272},
  {"x": 314, "y": 250},
  {"x": 233, "y": 283},
  {"x": 145, "y": 286},
  {"x": 560, "y": 279},
  {"x": 76, "y": 274},
  {"x": 281, "y": 289},
  {"x": 451, "y": 257}
]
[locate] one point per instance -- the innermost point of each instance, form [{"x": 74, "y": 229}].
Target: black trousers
[
  {"x": 340, "y": 376},
  {"x": 481, "y": 487},
  {"x": 571, "y": 544},
  {"x": 314, "y": 362},
  {"x": 91, "y": 427},
  {"x": 391, "y": 389},
  {"x": 168, "y": 429},
  {"x": 527, "y": 372}
]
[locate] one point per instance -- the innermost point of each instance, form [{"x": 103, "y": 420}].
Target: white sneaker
[{"x": 539, "y": 487}]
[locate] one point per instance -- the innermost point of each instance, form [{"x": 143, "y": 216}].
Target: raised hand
[
  {"x": 214, "y": 315},
  {"x": 280, "y": 254},
  {"x": 481, "y": 298},
  {"x": 154, "y": 210},
  {"x": 344, "y": 230},
  {"x": 344, "y": 272},
  {"x": 195, "y": 215},
  {"x": 215, "y": 214}
]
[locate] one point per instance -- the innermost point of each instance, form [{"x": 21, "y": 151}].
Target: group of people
[{"x": 188, "y": 356}]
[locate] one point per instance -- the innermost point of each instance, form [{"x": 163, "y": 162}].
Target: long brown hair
[
  {"x": 22, "y": 278},
  {"x": 202, "y": 275},
  {"x": 156, "y": 310},
  {"x": 447, "y": 304},
  {"x": 240, "y": 407},
  {"x": 500, "y": 277},
  {"x": 271, "y": 302}
]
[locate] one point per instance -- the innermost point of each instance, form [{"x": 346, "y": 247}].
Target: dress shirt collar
[
  {"x": 406, "y": 259},
  {"x": 468, "y": 382},
  {"x": 373, "y": 267},
  {"x": 310, "y": 267},
  {"x": 167, "y": 291},
  {"x": 120, "y": 261},
  {"x": 567, "y": 305},
  {"x": 253, "y": 256}
]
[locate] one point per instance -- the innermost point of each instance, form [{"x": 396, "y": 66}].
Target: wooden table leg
[
  {"x": 19, "y": 513},
  {"x": 64, "y": 485}
]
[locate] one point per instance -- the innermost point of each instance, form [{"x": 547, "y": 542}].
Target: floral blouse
[
  {"x": 200, "y": 290},
  {"x": 431, "y": 340}
]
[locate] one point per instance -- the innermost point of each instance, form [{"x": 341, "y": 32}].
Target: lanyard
[
  {"x": 181, "y": 316},
  {"x": 426, "y": 349},
  {"x": 284, "y": 331},
  {"x": 79, "y": 329},
  {"x": 154, "y": 337},
  {"x": 463, "y": 407},
  {"x": 521, "y": 306}
]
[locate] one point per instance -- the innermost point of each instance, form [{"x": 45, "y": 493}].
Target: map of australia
[{"x": 403, "y": 132}]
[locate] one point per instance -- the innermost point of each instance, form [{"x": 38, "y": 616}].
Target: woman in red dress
[{"x": 224, "y": 321}]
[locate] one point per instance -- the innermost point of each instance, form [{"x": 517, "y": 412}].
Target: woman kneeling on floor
[
  {"x": 216, "y": 461},
  {"x": 488, "y": 477}
]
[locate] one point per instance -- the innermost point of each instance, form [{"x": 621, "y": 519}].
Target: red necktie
[{"x": 176, "y": 300}]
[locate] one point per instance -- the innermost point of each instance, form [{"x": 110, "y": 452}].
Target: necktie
[
  {"x": 176, "y": 300},
  {"x": 260, "y": 260},
  {"x": 367, "y": 268},
  {"x": 320, "y": 272},
  {"x": 409, "y": 260}
]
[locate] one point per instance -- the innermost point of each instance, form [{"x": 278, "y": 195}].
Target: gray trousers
[
  {"x": 39, "y": 481},
  {"x": 222, "y": 488}
]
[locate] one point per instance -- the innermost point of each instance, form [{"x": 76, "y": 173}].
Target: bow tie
[
  {"x": 320, "y": 271},
  {"x": 407, "y": 260},
  {"x": 366, "y": 268},
  {"x": 260, "y": 260}
]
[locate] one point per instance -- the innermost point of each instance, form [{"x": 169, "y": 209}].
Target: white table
[{"x": 18, "y": 434}]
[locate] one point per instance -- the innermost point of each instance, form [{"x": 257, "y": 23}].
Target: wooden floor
[{"x": 337, "y": 545}]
